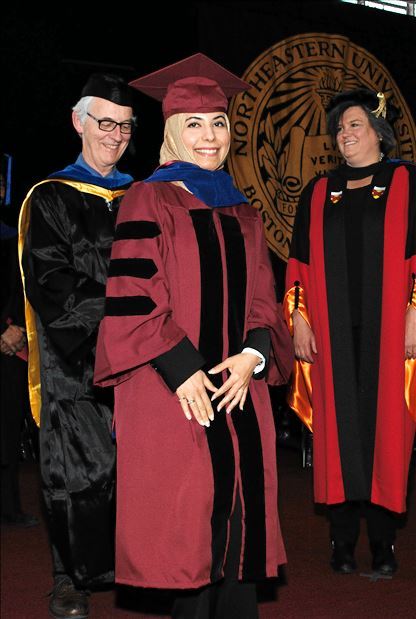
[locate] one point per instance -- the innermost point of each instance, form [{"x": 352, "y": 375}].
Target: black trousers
[
  {"x": 228, "y": 599},
  {"x": 344, "y": 519}
]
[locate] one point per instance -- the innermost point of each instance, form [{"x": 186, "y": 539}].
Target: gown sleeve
[
  {"x": 410, "y": 364},
  {"x": 138, "y": 327},
  {"x": 297, "y": 272},
  {"x": 68, "y": 302},
  {"x": 296, "y": 297},
  {"x": 266, "y": 330},
  {"x": 12, "y": 311}
]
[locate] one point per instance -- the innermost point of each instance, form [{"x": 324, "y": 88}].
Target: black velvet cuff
[
  {"x": 178, "y": 364},
  {"x": 259, "y": 339}
]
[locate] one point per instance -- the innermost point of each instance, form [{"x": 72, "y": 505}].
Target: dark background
[
  {"x": 48, "y": 56},
  {"x": 49, "y": 51}
]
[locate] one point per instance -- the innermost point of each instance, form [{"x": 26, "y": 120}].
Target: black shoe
[
  {"x": 342, "y": 560},
  {"x": 19, "y": 520},
  {"x": 67, "y": 602},
  {"x": 384, "y": 561}
]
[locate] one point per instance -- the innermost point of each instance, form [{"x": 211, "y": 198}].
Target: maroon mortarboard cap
[
  {"x": 110, "y": 87},
  {"x": 195, "y": 84}
]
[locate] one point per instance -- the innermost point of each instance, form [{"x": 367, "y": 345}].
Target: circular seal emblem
[{"x": 279, "y": 126}]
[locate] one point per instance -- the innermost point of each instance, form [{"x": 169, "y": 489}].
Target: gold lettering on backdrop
[{"x": 279, "y": 129}]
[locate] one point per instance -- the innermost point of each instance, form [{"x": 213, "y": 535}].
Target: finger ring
[{"x": 191, "y": 401}]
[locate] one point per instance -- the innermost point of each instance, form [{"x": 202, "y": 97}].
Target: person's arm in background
[{"x": 12, "y": 322}]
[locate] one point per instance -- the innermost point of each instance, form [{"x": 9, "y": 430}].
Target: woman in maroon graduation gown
[
  {"x": 352, "y": 301},
  {"x": 190, "y": 287}
]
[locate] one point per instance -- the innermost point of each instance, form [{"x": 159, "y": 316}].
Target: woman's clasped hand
[{"x": 193, "y": 396}]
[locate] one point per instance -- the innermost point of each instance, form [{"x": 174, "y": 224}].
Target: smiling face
[
  {"x": 207, "y": 138},
  {"x": 102, "y": 149},
  {"x": 357, "y": 141}
]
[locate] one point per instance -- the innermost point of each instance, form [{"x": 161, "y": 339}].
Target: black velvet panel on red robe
[{"x": 188, "y": 286}]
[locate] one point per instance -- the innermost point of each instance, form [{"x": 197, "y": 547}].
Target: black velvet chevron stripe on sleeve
[
  {"x": 132, "y": 267},
  {"x": 129, "y": 306},
  {"x": 136, "y": 230}
]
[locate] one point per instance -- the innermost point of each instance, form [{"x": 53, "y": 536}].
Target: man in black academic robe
[{"x": 66, "y": 231}]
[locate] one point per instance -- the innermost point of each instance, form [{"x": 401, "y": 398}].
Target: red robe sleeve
[
  {"x": 296, "y": 297},
  {"x": 410, "y": 364}
]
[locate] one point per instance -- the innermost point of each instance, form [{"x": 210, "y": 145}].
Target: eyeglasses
[{"x": 106, "y": 124}]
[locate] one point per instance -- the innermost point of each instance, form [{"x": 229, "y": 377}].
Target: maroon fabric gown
[{"x": 187, "y": 286}]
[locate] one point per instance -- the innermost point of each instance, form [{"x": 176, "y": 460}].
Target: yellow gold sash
[{"x": 30, "y": 316}]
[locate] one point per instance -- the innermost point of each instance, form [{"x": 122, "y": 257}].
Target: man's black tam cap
[{"x": 110, "y": 87}]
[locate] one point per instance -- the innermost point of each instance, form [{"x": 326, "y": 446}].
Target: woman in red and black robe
[
  {"x": 351, "y": 300},
  {"x": 190, "y": 286}
]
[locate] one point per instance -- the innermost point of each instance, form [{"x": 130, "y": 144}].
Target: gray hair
[{"x": 81, "y": 108}]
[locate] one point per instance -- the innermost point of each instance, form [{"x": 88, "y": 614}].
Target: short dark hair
[{"x": 380, "y": 125}]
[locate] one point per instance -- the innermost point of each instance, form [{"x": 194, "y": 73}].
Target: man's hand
[{"x": 13, "y": 340}]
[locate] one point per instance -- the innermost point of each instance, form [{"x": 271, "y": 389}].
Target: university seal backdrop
[{"x": 278, "y": 126}]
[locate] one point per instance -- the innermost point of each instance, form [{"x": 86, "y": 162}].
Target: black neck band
[{"x": 354, "y": 174}]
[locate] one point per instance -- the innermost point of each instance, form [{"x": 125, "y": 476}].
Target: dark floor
[{"x": 307, "y": 588}]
